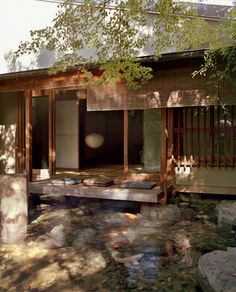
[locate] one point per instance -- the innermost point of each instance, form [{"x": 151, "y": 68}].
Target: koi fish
[{"x": 127, "y": 261}]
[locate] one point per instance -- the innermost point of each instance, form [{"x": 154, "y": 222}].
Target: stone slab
[
  {"x": 146, "y": 185},
  {"x": 14, "y": 207},
  {"x": 99, "y": 182},
  {"x": 112, "y": 192}
]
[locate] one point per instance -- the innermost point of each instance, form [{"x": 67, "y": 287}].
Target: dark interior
[
  {"x": 40, "y": 132},
  {"x": 110, "y": 125}
]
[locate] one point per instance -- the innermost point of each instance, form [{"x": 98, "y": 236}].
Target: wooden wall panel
[{"x": 171, "y": 86}]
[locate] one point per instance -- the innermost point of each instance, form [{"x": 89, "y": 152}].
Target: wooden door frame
[
  {"x": 126, "y": 141},
  {"x": 28, "y": 133},
  {"x": 20, "y": 137},
  {"x": 51, "y": 133}
]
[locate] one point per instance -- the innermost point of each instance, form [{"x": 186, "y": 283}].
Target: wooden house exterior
[{"x": 173, "y": 126}]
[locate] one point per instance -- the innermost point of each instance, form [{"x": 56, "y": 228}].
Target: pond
[{"x": 113, "y": 246}]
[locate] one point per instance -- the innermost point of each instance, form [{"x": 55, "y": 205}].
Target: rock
[
  {"x": 183, "y": 204},
  {"x": 217, "y": 269},
  {"x": 95, "y": 260},
  {"x": 196, "y": 199},
  {"x": 69, "y": 182},
  {"x": 58, "y": 235},
  {"x": 57, "y": 182},
  {"x": 130, "y": 234},
  {"x": 184, "y": 198},
  {"x": 84, "y": 237},
  {"x": 182, "y": 243},
  {"x": 234, "y": 225},
  {"x": 184, "y": 223},
  {"x": 55, "y": 238},
  {"x": 48, "y": 276},
  {"x": 187, "y": 213},
  {"x": 169, "y": 213},
  {"x": 226, "y": 213},
  {"x": 169, "y": 248}
]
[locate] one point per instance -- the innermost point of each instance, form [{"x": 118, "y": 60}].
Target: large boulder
[
  {"x": 218, "y": 270},
  {"x": 226, "y": 213}
]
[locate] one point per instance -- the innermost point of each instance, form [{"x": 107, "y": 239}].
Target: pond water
[{"x": 111, "y": 246}]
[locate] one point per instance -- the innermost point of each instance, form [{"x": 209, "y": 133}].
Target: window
[{"x": 205, "y": 136}]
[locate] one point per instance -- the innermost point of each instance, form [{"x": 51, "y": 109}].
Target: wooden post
[
  {"x": 212, "y": 132},
  {"x": 218, "y": 136},
  {"x": 185, "y": 136},
  {"x": 126, "y": 135},
  {"x": 28, "y": 134},
  {"x": 163, "y": 154},
  {"x": 205, "y": 137},
  {"x": 225, "y": 140},
  {"x": 19, "y": 153},
  {"x": 170, "y": 147},
  {"x": 51, "y": 132},
  {"x": 191, "y": 143},
  {"x": 198, "y": 136},
  {"x": 232, "y": 136},
  {"x": 179, "y": 137}
]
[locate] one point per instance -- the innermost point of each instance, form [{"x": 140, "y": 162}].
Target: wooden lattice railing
[{"x": 205, "y": 136}]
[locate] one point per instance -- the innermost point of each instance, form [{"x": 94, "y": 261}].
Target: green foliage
[
  {"x": 115, "y": 32},
  {"x": 220, "y": 61}
]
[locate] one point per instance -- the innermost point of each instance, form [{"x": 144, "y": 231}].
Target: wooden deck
[{"x": 113, "y": 192}]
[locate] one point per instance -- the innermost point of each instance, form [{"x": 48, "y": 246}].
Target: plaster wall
[
  {"x": 67, "y": 134},
  {"x": 8, "y": 119},
  {"x": 206, "y": 177},
  {"x": 151, "y": 132}
]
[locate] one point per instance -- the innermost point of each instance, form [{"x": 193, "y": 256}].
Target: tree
[
  {"x": 220, "y": 59},
  {"x": 116, "y": 32}
]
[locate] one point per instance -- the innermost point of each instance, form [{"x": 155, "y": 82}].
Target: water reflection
[
  {"x": 170, "y": 252},
  {"x": 147, "y": 270}
]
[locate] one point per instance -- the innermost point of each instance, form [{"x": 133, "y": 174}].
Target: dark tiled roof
[
  {"x": 213, "y": 11},
  {"x": 205, "y": 10}
]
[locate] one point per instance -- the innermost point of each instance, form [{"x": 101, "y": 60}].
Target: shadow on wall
[{"x": 7, "y": 148}]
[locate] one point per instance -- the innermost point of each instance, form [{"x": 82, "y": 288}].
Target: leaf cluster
[
  {"x": 220, "y": 60},
  {"x": 112, "y": 33}
]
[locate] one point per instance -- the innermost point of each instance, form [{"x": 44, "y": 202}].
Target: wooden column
[
  {"x": 126, "y": 138},
  {"x": 51, "y": 132},
  {"x": 170, "y": 146},
  {"x": 19, "y": 129},
  {"x": 163, "y": 155},
  {"x": 28, "y": 133}
]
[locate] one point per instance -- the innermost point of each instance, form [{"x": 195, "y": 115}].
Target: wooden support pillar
[
  {"x": 126, "y": 135},
  {"x": 170, "y": 146},
  {"x": 19, "y": 136},
  {"x": 28, "y": 134},
  {"x": 170, "y": 152},
  {"x": 163, "y": 155},
  {"x": 51, "y": 132}
]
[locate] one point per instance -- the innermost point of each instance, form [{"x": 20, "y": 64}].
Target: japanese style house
[{"x": 172, "y": 127}]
